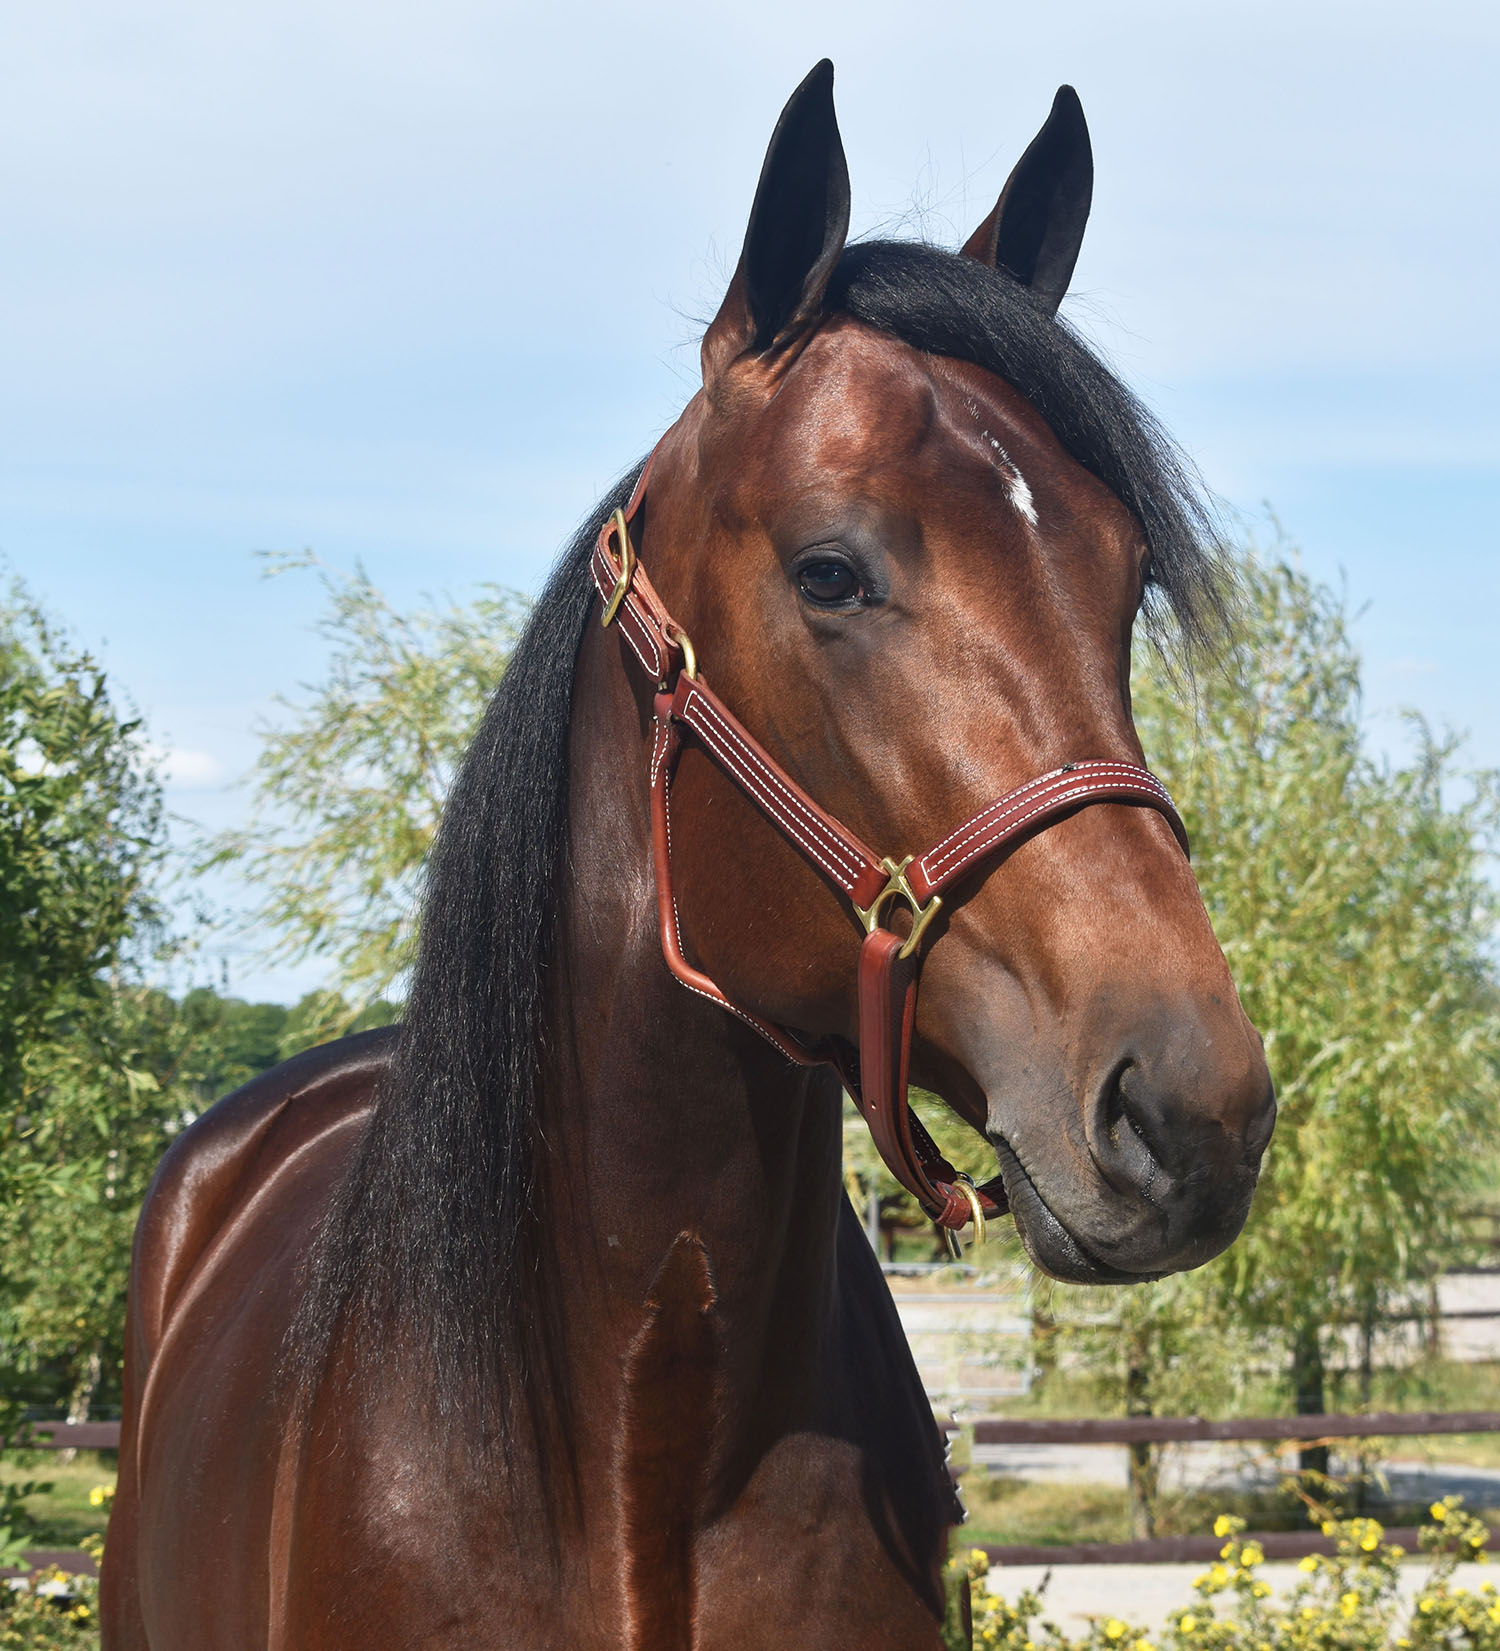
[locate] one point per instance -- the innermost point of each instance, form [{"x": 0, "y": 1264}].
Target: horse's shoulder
[{"x": 232, "y": 1150}]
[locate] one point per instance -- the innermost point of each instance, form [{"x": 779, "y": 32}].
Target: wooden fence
[
  {"x": 1136, "y": 1430},
  {"x": 1004, "y": 1430}
]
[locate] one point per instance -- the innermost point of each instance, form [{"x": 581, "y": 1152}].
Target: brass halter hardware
[
  {"x": 627, "y": 567},
  {"x": 897, "y": 888},
  {"x": 675, "y": 633},
  {"x": 966, "y": 1186}
]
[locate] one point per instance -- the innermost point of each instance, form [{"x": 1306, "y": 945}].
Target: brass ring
[
  {"x": 976, "y": 1209},
  {"x": 675, "y": 633}
]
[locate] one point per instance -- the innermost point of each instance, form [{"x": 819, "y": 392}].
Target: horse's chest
[{"x": 797, "y": 1560}]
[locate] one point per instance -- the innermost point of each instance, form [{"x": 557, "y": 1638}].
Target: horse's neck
[{"x": 695, "y": 1173}]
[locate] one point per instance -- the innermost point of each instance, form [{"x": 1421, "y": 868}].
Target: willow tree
[
  {"x": 1350, "y": 897},
  {"x": 349, "y": 783}
]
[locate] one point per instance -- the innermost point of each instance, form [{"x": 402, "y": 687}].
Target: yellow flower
[
  {"x": 1348, "y": 1604},
  {"x": 1143, "y": 1645},
  {"x": 1308, "y": 1563},
  {"x": 1114, "y": 1629},
  {"x": 1309, "y": 1611},
  {"x": 100, "y": 1494},
  {"x": 1251, "y": 1554},
  {"x": 1223, "y": 1525},
  {"x": 1439, "y": 1512},
  {"x": 1329, "y": 1527},
  {"x": 1426, "y": 1603},
  {"x": 1218, "y": 1576},
  {"x": 1261, "y": 1590},
  {"x": 1227, "y": 1549},
  {"x": 1188, "y": 1623}
]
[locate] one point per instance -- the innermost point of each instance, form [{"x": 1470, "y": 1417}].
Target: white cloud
[{"x": 184, "y": 769}]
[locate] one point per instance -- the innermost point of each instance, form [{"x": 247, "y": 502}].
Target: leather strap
[{"x": 875, "y": 1074}]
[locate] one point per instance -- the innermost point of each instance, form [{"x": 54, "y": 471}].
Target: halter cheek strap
[{"x": 889, "y": 963}]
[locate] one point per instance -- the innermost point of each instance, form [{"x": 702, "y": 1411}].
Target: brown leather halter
[{"x": 889, "y": 964}]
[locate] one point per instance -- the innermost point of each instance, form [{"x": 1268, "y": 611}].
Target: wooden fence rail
[
  {"x": 67, "y": 1436},
  {"x": 1135, "y": 1430},
  {"x": 1113, "y": 1430},
  {"x": 1141, "y": 1430}
]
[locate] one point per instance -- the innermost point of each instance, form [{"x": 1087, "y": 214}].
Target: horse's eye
[{"x": 829, "y": 584}]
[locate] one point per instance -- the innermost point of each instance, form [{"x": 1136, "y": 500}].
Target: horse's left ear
[
  {"x": 1036, "y": 229},
  {"x": 797, "y": 229}
]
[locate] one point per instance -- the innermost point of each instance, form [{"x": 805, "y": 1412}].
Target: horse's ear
[
  {"x": 798, "y": 226},
  {"x": 1036, "y": 229}
]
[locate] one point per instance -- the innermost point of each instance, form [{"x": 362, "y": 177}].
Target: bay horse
[{"x": 543, "y": 1321}]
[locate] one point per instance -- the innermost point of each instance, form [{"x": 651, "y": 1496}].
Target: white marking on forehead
[{"x": 1016, "y": 486}]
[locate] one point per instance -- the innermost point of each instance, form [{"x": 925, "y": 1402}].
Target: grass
[
  {"x": 64, "y": 1514},
  {"x": 1007, "y": 1510}
]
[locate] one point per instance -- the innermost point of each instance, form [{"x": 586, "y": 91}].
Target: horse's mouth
[{"x": 1048, "y": 1241}]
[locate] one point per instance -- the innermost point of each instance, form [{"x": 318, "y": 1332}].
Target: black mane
[{"x": 431, "y": 1239}]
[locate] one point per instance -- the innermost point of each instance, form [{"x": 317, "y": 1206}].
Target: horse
[{"x": 543, "y": 1320}]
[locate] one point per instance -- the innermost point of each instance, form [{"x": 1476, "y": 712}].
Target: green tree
[
  {"x": 80, "y": 838},
  {"x": 348, "y": 789},
  {"x": 80, "y": 841},
  {"x": 1350, "y": 899}
]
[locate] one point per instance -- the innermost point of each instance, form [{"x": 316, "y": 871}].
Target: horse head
[{"x": 910, "y": 523}]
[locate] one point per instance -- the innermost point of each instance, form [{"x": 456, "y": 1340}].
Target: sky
[{"x": 412, "y": 283}]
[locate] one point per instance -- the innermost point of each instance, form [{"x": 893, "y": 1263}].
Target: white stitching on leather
[
  {"x": 1017, "y": 798},
  {"x": 658, "y": 756},
  {"x": 1058, "y": 776},
  {"x": 846, "y": 872},
  {"x": 643, "y": 636},
  {"x": 1062, "y": 791},
  {"x": 1080, "y": 782},
  {"x": 716, "y": 996}
]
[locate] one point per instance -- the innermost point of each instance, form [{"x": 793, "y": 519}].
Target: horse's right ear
[{"x": 798, "y": 226}]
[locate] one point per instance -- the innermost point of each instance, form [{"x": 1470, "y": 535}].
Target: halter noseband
[{"x": 889, "y": 964}]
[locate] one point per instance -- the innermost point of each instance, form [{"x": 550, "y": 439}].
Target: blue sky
[{"x": 411, "y": 283}]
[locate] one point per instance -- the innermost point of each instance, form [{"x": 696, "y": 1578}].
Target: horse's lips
[{"x": 1048, "y": 1242}]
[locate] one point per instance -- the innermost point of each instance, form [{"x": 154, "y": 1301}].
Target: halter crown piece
[{"x": 889, "y": 964}]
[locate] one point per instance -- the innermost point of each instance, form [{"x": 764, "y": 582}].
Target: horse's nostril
[
  {"x": 1157, "y": 1134},
  {"x": 1124, "y": 1149}
]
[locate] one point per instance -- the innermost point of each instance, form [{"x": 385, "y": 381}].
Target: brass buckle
[
  {"x": 897, "y": 887},
  {"x": 627, "y": 568}
]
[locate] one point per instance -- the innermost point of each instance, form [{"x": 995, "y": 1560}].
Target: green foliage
[
  {"x": 56, "y": 1612},
  {"x": 1350, "y": 900},
  {"x": 348, "y": 791},
  {"x": 1351, "y": 903},
  {"x": 1349, "y": 1601},
  {"x": 80, "y": 832},
  {"x": 80, "y": 838},
  {"x": 113, "y": 1101}
]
